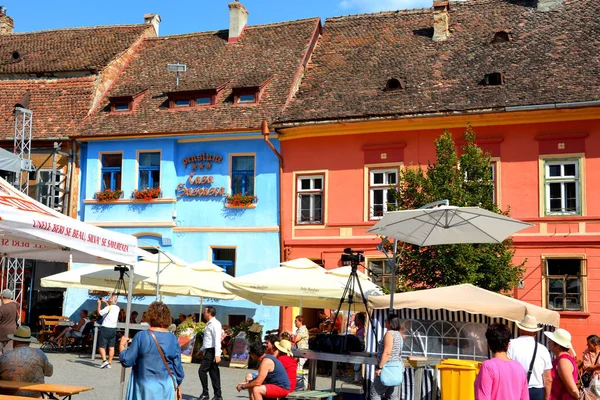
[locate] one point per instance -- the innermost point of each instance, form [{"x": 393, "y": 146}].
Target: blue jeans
[{"x": 536, "y": 393}]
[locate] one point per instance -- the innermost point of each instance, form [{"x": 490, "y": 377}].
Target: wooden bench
[
  {"x": 49, "y": 390},
  {"x": 312, "y": 394},
  {"x": 7, "y": 397},
  {"x": 47, "y": 325}
]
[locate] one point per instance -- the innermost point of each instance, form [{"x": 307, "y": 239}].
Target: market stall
[{"x": 448, "y": 322}]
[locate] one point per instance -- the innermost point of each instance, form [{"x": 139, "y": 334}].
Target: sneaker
[
  {"x": 105, "y": 364},
  {"x": 108, "y": 366},
  {"x": 204, "y": 397}
]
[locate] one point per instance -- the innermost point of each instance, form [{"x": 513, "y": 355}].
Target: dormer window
[
  {"x": 501, "y": 37},
  {"x": 121, "y": 104},
  {"x": 246, "y": 95},
  {"x": 194, "y": 98}
]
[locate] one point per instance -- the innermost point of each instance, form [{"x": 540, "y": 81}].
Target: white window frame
[
  {"x": 385, "y": 186},
  {"x": 548, "y": 180},
  {"x": 312, "y": 192}
]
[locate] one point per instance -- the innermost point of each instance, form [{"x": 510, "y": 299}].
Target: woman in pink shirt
[{"x": 500, "y": 378}]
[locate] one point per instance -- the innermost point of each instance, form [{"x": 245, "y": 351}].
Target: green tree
[{"x": 464, "y": 180}]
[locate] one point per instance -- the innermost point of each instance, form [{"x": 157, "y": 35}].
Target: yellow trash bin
[{"x": 457, "y": 379}]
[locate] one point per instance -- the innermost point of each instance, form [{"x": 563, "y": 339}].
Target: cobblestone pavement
[{"x": 74, "y": 369}]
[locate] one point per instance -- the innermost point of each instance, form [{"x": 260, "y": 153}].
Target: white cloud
[{"x": 366, "y": 6}]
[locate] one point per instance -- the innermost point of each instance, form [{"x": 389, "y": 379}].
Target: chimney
[
  {"x": 238, "y": 18},
  {"x": 440, "y": 21},
  {"x": 154, "y": 20},
  {"x": 549, "y": 5},
  {"x": 6, "y": 22}
]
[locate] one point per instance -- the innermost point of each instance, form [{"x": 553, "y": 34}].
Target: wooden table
[
  {"x": 120, "y": 326},
  {"x": 47, "y": 390}
]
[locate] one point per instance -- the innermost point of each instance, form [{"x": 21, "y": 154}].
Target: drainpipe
[{"x": 265, "y": 133}]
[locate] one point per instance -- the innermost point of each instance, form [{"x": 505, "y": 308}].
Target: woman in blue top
[{"x": 149, "y": 377}]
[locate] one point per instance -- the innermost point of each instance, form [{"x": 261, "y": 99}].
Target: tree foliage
[{"x": 464, "y": 180}]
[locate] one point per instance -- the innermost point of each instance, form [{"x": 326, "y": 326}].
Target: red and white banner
[{"x": 29, "y": 229}]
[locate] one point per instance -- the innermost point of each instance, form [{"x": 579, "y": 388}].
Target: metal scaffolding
[{"x": 13, "y": 270}]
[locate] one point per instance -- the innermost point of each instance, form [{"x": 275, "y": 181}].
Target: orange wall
[{"x": 519, "y": 181}]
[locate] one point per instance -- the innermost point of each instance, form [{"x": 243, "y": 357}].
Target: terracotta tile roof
[
  {"x": 272, "y": 53},
  {"x": 66, "y": 50},
  {"x": 58, "y": 105},
  {"x": 553, "y": 57}
]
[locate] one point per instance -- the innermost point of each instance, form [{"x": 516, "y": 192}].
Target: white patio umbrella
[
  {"x": 101, "y": 278},
  {"x": 447, "y": 225},
  {"x": 201, "y": 279},
  {"x": 444, "y": 224},
  {"x": 298, "y": 282}
]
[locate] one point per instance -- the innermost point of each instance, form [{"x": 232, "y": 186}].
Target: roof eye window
[
  {"x": 493, "y": 79},
  {"x": 120, "y": 107},
  {"x": 501, "y": 37},
  {"x": 394, "y": 84},
  {"x": 203, "y": 101},
  {"x": 16, "y": 55}
]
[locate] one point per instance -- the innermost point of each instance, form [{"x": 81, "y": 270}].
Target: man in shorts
[
  {"x": 108, "y": 330},
  {"x": 272, "y": 381}
]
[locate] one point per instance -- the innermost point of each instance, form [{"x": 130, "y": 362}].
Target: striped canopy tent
[{"x": 450, "y": 322}]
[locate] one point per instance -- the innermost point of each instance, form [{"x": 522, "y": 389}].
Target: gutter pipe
[{"x": 265, "y": 132}]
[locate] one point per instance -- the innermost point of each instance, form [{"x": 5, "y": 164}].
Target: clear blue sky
[{"x": 183, "y": 16}]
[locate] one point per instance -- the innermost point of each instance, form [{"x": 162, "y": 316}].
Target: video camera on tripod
[{"x": 354, "y": 257}]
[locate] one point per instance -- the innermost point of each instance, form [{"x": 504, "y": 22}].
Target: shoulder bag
[
  {"x": 392, "y": 373},
  {"x": 532, "y": 361},
  {"x": 162, "y": 355},
  {"x": 586, "y": 377}
]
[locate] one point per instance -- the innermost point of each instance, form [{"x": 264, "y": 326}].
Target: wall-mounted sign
[{"x": 200, "y": 185}]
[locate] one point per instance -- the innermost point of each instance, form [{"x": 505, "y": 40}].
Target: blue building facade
[{"x": 192, "y": 219}]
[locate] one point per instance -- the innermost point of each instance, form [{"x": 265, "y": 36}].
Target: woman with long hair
[
  {"x": 500, "y": 378},
  {"x": 150, "y": 378}
]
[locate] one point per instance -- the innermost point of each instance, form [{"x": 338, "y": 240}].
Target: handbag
[
  {"x": 392, "y": 373},
  {"x": 586, "y": 377},
  {"x": 162, "y": 355},
  {"x": 585, "y": 394}
]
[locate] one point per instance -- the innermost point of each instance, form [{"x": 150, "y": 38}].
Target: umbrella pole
[
  {"x": 157, "y": 278},
  {"x": 127, "y": 319},
  {"x": 201, "y": 305},
  {"x": 393, "y": 283}
]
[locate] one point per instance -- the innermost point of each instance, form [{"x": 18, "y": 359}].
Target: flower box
[
  {"x": 241, "y": 201},
  {"x": 147, "y": 194},
  {"x": 108, "y": 195}
]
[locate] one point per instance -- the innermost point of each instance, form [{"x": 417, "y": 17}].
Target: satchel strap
[
  {"x": 598, "y": 356},
  {"x": 532, "y": 360},
  {"x": 162, "y": 355}
]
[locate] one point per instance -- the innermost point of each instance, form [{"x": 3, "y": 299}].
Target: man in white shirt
[
  {"x": 211, "y": 355},
  {"x": 108, "y": 330},
  {"x": 522, "y": 349}
]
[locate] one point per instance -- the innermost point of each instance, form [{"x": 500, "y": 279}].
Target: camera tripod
[
  {"x": 349, "y": 292},
  {"x": 120, "y": 288}
]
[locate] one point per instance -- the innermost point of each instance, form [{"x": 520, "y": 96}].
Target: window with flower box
[
  {"x": 112, "y": 165},
  {"x": 149, "y": 170},
  {"x": 242, "y": 175},
  {"x": 310, "y": 190},
  {"x": 381, "y": 195}
]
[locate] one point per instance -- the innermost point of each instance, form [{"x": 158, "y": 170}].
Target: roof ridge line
[
  {"x": 212, "y": 32},
  {"x": 80, "y": 28},
  {"x": 381, "y": 14}
]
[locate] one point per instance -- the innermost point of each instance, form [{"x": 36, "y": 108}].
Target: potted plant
[
  {"x": 147, "y": 194},
  {"x": 239, "y": 200},
  {"x": 108, "y": 195}
]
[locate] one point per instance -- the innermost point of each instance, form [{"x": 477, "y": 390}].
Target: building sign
[{"x": 197, "y": 184}]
